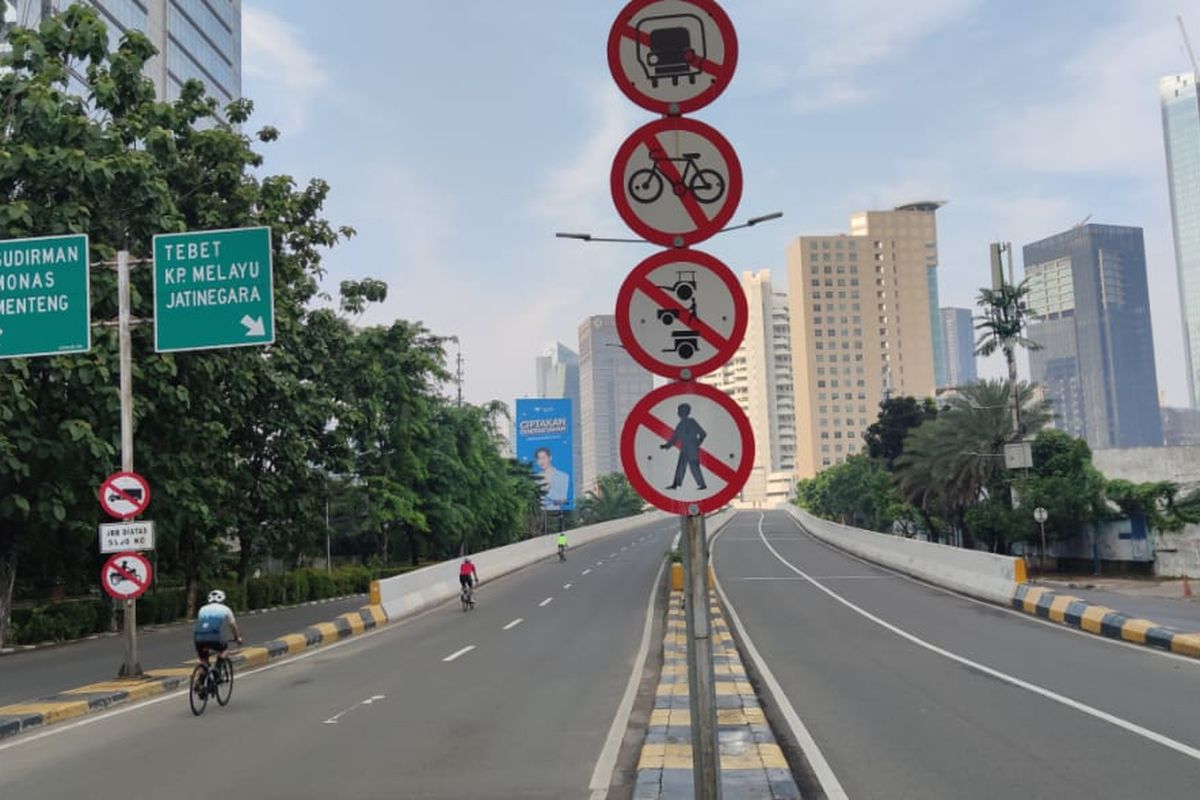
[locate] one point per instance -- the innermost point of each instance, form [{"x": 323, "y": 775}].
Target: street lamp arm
[{"x": 587, "y": 237}]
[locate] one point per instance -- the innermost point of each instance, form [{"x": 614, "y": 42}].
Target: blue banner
[{"x": 544, "y": 442}]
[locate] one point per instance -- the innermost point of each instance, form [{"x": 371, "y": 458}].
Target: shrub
[{"x": 59, "y": 622}]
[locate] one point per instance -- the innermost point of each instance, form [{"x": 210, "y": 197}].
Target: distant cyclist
[
  {"x": 468, "y": 576},
  {"x": 214, "y": 623},
  {"x": 562, "y": 547}
]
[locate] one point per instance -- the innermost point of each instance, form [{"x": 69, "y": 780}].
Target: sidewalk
[{"x": 1161, "y": 600}]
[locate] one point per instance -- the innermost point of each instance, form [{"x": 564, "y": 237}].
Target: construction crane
[{"x": 1187, "y": 43}]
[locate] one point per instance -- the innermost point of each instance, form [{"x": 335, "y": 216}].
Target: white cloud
[
  {"x": 274, "y": 54},
  {"x": 1102, "y": 111},
  {"x": 831, "y": 42}
]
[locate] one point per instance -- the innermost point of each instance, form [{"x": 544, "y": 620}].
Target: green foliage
[
  {"x": 61, "y": 622},
  {"x": 242, "y": 445},
  {"x": 1002, "y": 325},
  {"x": 1157, "y": 502},
  {"x": 613, "y": 498},
  {"x": 897, "y": 418},
  {"x": 858, "y": 492}
]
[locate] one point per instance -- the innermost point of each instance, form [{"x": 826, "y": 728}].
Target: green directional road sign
[
  {"x": 45, "y": 302},
  {"x": 213, "y": 289}
]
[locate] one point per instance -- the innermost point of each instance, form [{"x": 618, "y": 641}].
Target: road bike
[
  {"x": 215, "y": 681},
  {"x": 706, "y": 185},
  {"x": 467, "y": 596}
]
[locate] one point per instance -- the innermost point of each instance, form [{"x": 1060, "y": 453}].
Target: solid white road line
[
  {"x": 458, "y": 653},
  {"x": 586, "y": 571},
  {"x": 545, "y": 602},
  {"x": 1091, "y": 711},
  {"x": 602, "y": 774},
  {"x": 825, "y": 776},
  {"x": 512, "y": 624}
]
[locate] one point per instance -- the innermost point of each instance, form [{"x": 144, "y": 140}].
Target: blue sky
[{"x": 458, "y": 137}]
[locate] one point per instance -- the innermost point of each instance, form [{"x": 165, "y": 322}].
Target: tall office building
[
  {"x": 864, "y": 318},
  {"x": 1181, "y": 135},
  {"x": 759, "y": 377},
  {"x": 958, "y": 342},
  {"x": 610, "y": 385},
  {"x": 558, "y": 376},
  {"x": 199, "y": 39},
  {"x": 1089, "y": 309}
]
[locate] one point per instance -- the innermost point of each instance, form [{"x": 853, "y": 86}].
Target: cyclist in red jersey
[{"x": 468, "y": 576}]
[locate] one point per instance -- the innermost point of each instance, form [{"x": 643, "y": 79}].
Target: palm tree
[
  {"x": 1003, "y": 327},
  {"x": 949, "y": 462},
  {"x": 612, "y": 498}
]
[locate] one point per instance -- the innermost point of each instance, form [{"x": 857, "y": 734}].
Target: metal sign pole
[
  {"x": 702, "y": 698},
  {"x": 131, "y": 667}
]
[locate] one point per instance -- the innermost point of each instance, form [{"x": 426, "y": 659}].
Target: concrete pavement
[
  {"x": 511, "y": 700},
  {"x": 909, "y": 691}
]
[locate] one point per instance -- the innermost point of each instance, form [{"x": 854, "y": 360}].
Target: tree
[
  {"x": 952, "y": 463},
  {"x": 1064, "y": 482},
  {"x": 613, "y": 498},
  {"x": 856, "y": 492},
  {"x": 1156, "y": 502},
  {"x": 897, "y": 417},
  {"x": 1003, "y": 327}
]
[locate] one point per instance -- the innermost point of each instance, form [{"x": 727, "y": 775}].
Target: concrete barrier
[
  {"x": 429, "y": 586},
  {"x": 987, "y": 576}
]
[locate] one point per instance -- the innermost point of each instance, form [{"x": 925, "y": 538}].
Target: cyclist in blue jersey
[{"x": 214, "y": 623}]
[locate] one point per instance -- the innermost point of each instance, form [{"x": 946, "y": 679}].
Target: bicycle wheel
[
  {"x": 645, "y": 185},
  {"x": 224, "y": 681},
  {"x": 707, "y": 186},
  {"x": 466, "y": 601},
  {"x": 198, "y": 689}
]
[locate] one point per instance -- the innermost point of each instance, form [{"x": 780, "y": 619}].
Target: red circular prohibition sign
[
  {"x": 654, "y": 137},
  {"x": 723, "y": 346},
  {"x": 733, "y": 478},
  {"x": 692, "y": 62}
]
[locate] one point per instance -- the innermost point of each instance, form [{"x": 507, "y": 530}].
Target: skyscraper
[
  {"x": 558, "y": 376},
  {"x": 610, "y": 385},
  {"x": 958, "y": 339},
  {"x": 864, "y": 317},
  {"x": 1181, "y": 137},
  {"x": 759, "y": 378},
  {"x": 199, "y": 39},
  {"x": 1089, "y": 309}
]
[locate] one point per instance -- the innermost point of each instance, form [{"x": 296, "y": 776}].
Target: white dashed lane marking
[
  {"x": 458, "y": 653},
  {"x": 545, "y": 602}
]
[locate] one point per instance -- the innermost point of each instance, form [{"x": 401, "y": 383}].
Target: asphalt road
[
  {"x": 445, "y": 705},
  {"x": 956, "y": 699},
  {"x": 26, "y": 675}
]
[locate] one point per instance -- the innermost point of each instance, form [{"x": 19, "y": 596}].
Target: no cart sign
[
  {"x": 687, "y": 447},
  {"x": 676, "y": 181},
  {"x": 672, "y": 56},
  {"x": 681, "y": 313}
]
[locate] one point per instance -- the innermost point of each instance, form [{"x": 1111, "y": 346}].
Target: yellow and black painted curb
[
  {"x": 21, "y": 717},
  {"x": 752, "y": 763},
  {"x": 1102, "y": 620}
]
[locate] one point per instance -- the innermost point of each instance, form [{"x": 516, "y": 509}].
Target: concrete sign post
[
  {"x": 45, "y": 297},
  {"x": 213, "y": 289}
]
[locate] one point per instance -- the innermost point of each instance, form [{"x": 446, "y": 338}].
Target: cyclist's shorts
[
  {"x": 466, "y": 581},
  {"x": 205, "y": 647}
]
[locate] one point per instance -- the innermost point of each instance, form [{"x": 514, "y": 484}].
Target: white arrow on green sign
[
  {"x": 213, "y": 289},
  {"x": 45, "y": 297}
]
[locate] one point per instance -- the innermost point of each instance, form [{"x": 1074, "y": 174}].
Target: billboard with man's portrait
[{"x": 544, "y": 442}]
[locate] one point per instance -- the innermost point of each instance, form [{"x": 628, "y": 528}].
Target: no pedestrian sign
[
  {"x": 213, "y": 289},
  {"x": 687, "y": 448},
  {"x": 681, "y": 311},
  {"x": 126, "y": 576},
  {"x": 672, "y": 56},
  {"x": 45, "y": 297},
  {"x": 676, "y": 181}
]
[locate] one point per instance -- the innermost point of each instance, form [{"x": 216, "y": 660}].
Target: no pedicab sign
[
  {"x": 676, "y": 181},
  {"x": 672, "y": 56},
  {"x": 126, "y": 576},
  {"x": 687, "y": 448},
  {"x": 124, "y": 495},
  {"x": 681, "y": 311}
]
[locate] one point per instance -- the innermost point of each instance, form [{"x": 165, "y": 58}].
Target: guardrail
[
  {"x": 986, "y": 576},
  {"x": 423, "y": 588}
]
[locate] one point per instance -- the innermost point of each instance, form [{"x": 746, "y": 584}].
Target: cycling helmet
[{"x": 216, "y": 596}]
